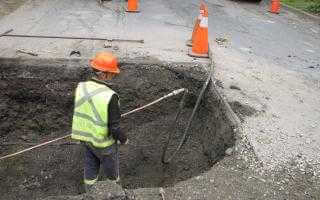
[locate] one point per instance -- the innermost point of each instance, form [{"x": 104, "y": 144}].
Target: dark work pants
[{"x": 96, "y": 157}]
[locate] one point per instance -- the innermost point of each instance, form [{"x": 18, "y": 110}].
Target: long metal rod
[
  {"x": 175, "y": 92},
  {"x": 32, "y": 144},
  {"x": 70, "y": 37},
  {"x": 34, "y": 147},
  {"x": 5, "y": 33}
]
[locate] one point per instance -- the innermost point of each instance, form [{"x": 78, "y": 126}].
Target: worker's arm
[{"x": 114, "y": 117}]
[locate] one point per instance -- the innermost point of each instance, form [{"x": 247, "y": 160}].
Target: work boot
[
  {"x": 117, "y": 180},
  {"x": 88, "y": 188}
]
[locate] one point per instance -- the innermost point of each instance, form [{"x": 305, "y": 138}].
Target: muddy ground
[{"x": 37, "y": 103}]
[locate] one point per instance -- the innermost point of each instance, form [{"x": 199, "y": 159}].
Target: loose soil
[{"x": 38, "y": 106}]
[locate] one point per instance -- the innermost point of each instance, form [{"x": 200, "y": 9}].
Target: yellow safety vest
[{"x": 90, "y": 116}]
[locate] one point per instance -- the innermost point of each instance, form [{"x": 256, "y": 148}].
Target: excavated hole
[{"x": 37, "y": 103}]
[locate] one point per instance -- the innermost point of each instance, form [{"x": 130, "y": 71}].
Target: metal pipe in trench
[{"x": 185, "y": 134}]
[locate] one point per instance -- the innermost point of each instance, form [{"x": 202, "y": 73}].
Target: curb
[
  {"x": 301, "y": 12},
  {"x": 230, "y": 114}
]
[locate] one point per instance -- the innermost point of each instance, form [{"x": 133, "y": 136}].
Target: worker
[{"x": 96, "y": 120}]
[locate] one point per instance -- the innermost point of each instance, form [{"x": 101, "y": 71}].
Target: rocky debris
[
  {"x": 76, "y": 53},
  {"x": 79, "y": 197},
  {"x": 148, "y": 193},
  {"x": 314, "y": 66},
  {"x": 108, "y": 190},
  {"x": 116, "y": 48},
  {"x": 219, "y": 83},
  {"x": 107, "y": 44},
  {"x": 222, "y": 41},
  {"x": 229, "y": 151},
  {"x": 103, "y": 190},
  {"x": 242, "y": 110},
  {"x": 30, "y": 183},
  {"x": 234, "y": 87}
]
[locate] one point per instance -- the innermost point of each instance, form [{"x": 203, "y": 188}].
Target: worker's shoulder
[
  {"x": 109, "y": 85},
  {"x": 115, "y": 96}
]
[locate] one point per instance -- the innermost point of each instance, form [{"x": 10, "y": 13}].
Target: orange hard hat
[{"x": 105, "y": 62}]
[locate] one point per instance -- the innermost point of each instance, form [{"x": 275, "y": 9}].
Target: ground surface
[
  {"x": 273, "y": 60},
  {"x": 163, "y": 31}
]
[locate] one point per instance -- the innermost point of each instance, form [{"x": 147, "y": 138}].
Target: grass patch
[{"x": 311, "y": 6}]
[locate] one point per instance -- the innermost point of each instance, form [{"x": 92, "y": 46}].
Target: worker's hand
[
  {"x": 118, "y": 142},
  {"x": 127, "y": 142}
]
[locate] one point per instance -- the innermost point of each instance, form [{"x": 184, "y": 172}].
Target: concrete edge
[
  {"x": 85, "y": 61},
  {"x": 301, "y": 12},
  {"x": 71, "y": 67},
  {"x": 230, "y": 114},
  {"x": 121, "y": 61},
  {"x": 242, "y": 142}
]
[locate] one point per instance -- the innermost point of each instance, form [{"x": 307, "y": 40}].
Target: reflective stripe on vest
[{"x": 90, "y": 117}]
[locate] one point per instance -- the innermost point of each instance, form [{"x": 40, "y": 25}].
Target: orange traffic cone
[
  {"x": 132, "y": 6},
  {"x": 200, "y": 46},
  {"x": 196, "y": 24},
  {"x": 275, "y": 6}
]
